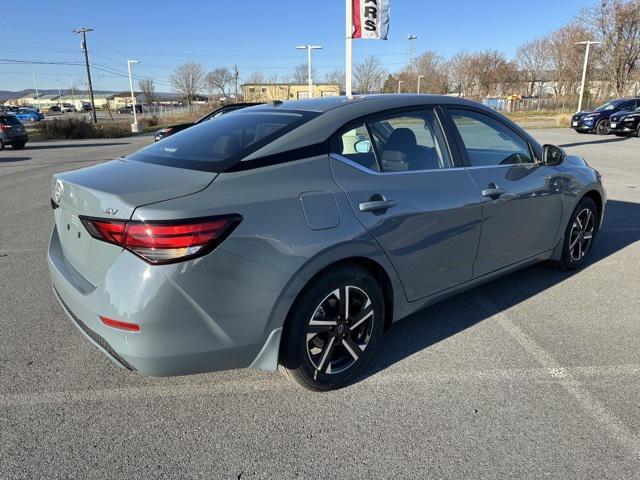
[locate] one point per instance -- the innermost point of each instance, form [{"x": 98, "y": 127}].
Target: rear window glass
[
  {"x": 217, "y": 145},
  {"x": 9, "y": 120}
]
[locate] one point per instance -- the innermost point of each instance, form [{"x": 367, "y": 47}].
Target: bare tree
[
  {"x": 219, "y": 79},
  {"x": 432, "y": 68},
  {"x": 256, "y": 77},
  {"x": 617, "y": 24},
  {"x": 533, "y": 61},
  {"x": 369, "y": 75},
  {"x": 491, "y": 74},
  {"x": 566, "y": 58},
  {"x": 336, "y": 76},
  {"x": 301, "y": 74},
  {"x": 148, "y": 89},
  {"x": 460, "y": 77},
  {"x": 188, "y": 79}
]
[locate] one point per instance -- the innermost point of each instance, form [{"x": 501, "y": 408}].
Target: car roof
[{"x": 383, "y": 101}]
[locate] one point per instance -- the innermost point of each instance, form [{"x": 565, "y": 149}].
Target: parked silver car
[{"x": 295, "y": 233}]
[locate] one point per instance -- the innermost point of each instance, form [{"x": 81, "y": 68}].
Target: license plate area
[{"x": 575, "y": 124}]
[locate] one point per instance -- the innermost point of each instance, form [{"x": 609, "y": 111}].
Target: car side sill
[{"x": 424, "y": 302}]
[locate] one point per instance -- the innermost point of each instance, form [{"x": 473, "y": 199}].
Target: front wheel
[
  {"x": 602, "y": 128},
  {"x": 333, "y": 329},
  {"x": 579, "y": 236}
]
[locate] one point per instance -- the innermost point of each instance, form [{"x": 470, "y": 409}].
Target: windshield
[
  {"x": 215, "y": 146},
  {"x": 607, "y": 107}
]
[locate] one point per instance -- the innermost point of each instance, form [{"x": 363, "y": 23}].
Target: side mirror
[
  {"x": 363, "y": 146},
  {"x": 552, "y": 155}
]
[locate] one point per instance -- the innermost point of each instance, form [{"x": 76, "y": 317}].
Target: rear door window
[
  {"x": 410, "y": 141},
  {"x": 216, "y": 146},
  {"x": 9, "y": 120}
]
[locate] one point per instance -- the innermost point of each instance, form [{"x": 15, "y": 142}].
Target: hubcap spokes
[
  {"x": 581, "y": 234},
  {"x": 339, "y": 330}
]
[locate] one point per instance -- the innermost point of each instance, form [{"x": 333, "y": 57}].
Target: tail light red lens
[
  {"x": 130, "y": 327},
  {"x": 166, "y": 241}
]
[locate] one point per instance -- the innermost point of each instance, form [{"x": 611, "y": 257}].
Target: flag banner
[{"x": 371, "y": 19}]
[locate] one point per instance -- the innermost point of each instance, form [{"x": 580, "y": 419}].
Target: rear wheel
[
  {"x": 333, "y": 329},
  {"x": 1, "y": 145},
  {"x": 579, "y": 236}
]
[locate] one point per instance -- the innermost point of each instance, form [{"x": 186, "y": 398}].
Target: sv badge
[{"x": 110, "y": 211}]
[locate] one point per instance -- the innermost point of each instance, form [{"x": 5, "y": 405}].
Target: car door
[
  {"x": 411, "y": 194},
  {"x": 522, "y": 198}
]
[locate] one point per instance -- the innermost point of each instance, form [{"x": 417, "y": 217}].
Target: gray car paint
[{"x": 227, "y": 309}]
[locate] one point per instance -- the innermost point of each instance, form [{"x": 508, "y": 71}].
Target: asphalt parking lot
[{"x": 536, "y": 375}]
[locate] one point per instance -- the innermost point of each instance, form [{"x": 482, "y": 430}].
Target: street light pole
[
  {"x": 308, "y": 48},
  {"x": 134, "y": 126},
  {"x": 588, "y": 43},
  {"x": 419, "y": 77},
  {"x": 59, "y": 95},
  {"x": 400, "y": 82}
]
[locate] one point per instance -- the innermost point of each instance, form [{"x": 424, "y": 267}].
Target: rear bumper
[
  {"x": 19, "y": 139},
  {"x": 177, "y": 337}
]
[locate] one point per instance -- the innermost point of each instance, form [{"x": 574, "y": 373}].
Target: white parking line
[{"x": 616, "y": 428}]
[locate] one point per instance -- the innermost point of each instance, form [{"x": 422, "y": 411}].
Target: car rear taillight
[
  {"x": 164, "y": 241},
  {"x": 5, "y": 127}
]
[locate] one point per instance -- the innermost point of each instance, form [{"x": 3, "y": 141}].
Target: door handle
[
  {"x": 493, "y": 191},
  {"x": 374, "y": 205}
]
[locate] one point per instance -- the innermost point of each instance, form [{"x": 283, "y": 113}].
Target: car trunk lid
[{"x": 111, "y": 191}]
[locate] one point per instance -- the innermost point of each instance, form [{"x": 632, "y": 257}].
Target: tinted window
[
  {"x": 629, "y": 106},
  {"x": 488, "y": 141},
  {"x": 612, "y": 105},
  {"x": 410, "y": 141},
  {"x": 355, "y": 145},
  {"x": 215, "y": 146},
  {"x": 10, "y": 120}
]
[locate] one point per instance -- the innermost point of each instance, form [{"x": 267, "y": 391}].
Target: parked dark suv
[
  {"x": 12, "y": 132},
  {"x": 597, "y": 121},
  {"x": 625, "y": 124}
]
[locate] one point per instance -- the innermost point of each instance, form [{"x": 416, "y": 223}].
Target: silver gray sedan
[{"x": 293, "y": 234}]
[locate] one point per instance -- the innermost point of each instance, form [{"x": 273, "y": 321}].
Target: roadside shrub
[
  {"x": 563, "y": 120},
  {"x": 77, "y": 128},
  {"x": 150, "y": 122}
]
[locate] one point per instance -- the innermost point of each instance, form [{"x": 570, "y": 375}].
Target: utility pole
[
  {"x": 588, "y": 43},
  {"x": 84, "y": 47},
  {"x": 59, "y": 95},
  {"x": 135, "y": 128},
  {"x": 411, "y": 38},
  {"x": 348, "y": 48},
  {"x": 73, "y": 92},
  {"x": 36, "y": 85},
  {"x": 236, "y": 74},
  {"x": 308, "y": 48}
]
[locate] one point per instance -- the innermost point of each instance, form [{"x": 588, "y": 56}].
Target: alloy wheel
[
  {"x": 339, "y": 330},
  {"x": 602, "y": 128},
  {"x": 581, "y": 234}
]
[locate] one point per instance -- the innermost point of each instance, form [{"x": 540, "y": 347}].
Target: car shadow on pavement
[
  {"x": 454, "y": 315},
  {"x": 4, "y": 159},
  {"x": 594, "y": 142},
  {"x": 73, "y": 145}
]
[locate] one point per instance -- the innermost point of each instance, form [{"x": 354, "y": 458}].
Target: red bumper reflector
[{"x": 129, "y": 327}]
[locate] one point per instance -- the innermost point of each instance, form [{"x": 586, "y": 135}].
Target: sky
[{"x": 255, "y": 35}]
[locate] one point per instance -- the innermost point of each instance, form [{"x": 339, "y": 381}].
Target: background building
[{"x": 268, "y": 92}]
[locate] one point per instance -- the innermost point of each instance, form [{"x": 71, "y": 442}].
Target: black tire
[
  {"x": 638, "y": 131},
  {"x": 308, "y": 357},
  {"x": 602, "y": 127},
  {"x": 618, "y": 134},
  {"x": 573, "y": 255},
  {"x": 18, "y": 146},
  {"x": 1, "y": 145}
]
